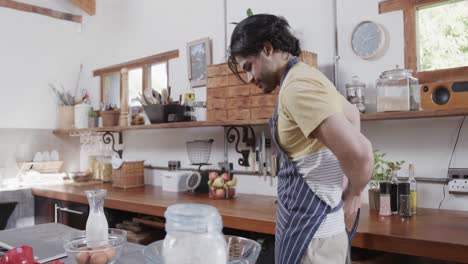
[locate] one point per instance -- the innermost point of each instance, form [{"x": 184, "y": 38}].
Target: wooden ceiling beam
[
  {"x": 390, "y": 6},
  {"x": 89, "y": 6},
  {"x": 40, "y": 10}
]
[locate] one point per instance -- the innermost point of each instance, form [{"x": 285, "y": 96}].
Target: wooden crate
[{"x": 228, "y": 98}]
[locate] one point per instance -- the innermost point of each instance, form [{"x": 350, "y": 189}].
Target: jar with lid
[
  {"x": 398, "y": 90},
  {"x": 385, "y": 191},
  {"x": 404, "y": 201},
  {"x": 194, "y": 235},
  {"x": 354, "y": 93}
]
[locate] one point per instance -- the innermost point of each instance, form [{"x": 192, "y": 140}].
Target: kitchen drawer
[
  {"x": 261, "y": 113},
  {"x": 214, "y": 70},
  {"x": 215, "y": 104},
  {"x": 238, "y": 103},
  {"x": 216, "y": 93},
  {"x": 264, "y": 100},
  {"x": 216, "y": 115},
  {"x": 224, "y": 81},
  {"x": 236, "y": 91},
  {"x": 254, "y": 90},
  {"x": 243, "y": 114}
]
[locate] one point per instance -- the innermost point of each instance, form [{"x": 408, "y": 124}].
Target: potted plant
[{"x": 382, "y": 172}]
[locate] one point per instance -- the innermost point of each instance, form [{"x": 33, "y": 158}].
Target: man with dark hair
[{"x": 318, "y": 136}]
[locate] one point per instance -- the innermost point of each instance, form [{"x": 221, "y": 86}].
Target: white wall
[
  {"x": 22, "y": 144},
  {"x": 36, "y": 50},
  {"x": 426, "y": 143}
]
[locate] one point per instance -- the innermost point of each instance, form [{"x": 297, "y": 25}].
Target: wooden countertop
[
  {"x": 254, "y": 213},
  {"x": 439, "y": 234}
]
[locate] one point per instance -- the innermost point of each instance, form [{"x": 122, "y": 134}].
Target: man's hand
[{"x": 352, "y": 202}]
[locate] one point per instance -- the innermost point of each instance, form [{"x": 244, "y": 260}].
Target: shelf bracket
[
  {"x": 233, "y": 135},
  {"x": 108, "y": 138}
]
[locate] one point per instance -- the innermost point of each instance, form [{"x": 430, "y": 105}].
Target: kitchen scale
[{"x": 199, "y": 154}]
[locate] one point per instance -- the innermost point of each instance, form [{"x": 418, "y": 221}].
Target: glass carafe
[{"x": 96, "y": 226}]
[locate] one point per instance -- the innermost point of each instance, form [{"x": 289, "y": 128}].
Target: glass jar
[
  {"x": 385, "y": 191},
  {"x": 354, "y": 93},
  {"x": 404, "y": 201},
  {"x": 106, "y": 169},
  {"x": 194, "y": 235},
  {"x": 397, "y": 90}
]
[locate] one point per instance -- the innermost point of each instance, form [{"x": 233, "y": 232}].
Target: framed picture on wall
[{"x": 198, "y": 56}]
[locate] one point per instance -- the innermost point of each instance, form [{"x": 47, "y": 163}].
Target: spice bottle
[
  {"x": 394, "y": 192},
  {"x": 404, "y": 199},
  {"x": 385, "y": 191},
  {"x": 414, "y": 194}
]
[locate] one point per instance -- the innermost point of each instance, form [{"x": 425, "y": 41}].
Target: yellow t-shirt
[{"x": 306, "y": 98}]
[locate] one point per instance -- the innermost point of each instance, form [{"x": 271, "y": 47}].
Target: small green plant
[
  {"x": 249, "y": 12},
  {"x": 383, "y": 169},
  {"x": 92, "y": 113}
]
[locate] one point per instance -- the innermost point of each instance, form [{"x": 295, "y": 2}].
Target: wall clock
[{"x": 368, "y": 40}]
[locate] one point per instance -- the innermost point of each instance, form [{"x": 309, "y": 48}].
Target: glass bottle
[
  {"x": 404, "y": 199},
  {"x": 394, "y": 193},
  {"x": 96, "y": 225},
  {"x": 385, "y": 191},
  {"x": 189, "y": 101},
  {"x": 194, "y": 235},
  {"x": 413, "y": 189}
]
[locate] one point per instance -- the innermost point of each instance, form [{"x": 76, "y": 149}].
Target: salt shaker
[{"x": 385, "y": 190}]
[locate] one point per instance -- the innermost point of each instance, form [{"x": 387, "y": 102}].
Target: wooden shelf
[
  {"x": 364, "y": 117},
  {"x": 163, "y": 126},
  {"x": 414, "y": 114}
]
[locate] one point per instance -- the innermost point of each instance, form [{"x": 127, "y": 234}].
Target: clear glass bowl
[
  {"x": 108, "y": 252},
  {"x": 241, "y": 251}
]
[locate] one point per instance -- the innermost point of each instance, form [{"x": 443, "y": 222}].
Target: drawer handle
[{"x": 65, "y": 209}]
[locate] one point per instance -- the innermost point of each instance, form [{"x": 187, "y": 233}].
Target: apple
[
  {"x": 220, "y": 193},
  {"x": 213, "y": 175},
  {"x": 225, "y": 177},
  {"x": 231, "y": 192},
  {"x": 218, "y": 182},
  {"x": 213, "y": 193}
]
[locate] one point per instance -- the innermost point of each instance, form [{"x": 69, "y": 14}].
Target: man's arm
[{"x": 354, "y": 152}]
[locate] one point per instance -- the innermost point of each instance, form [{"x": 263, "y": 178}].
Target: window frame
[
  {"x": 409, "y": 8},
  {"x": 144, "y": 63}
]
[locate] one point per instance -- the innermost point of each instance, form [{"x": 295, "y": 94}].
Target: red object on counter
[{"x": 22, "y": 255}]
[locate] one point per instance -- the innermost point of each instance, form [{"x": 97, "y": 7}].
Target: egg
[
  {"x": 82, "y": 258},
  {"x": 98, "y": 258}
]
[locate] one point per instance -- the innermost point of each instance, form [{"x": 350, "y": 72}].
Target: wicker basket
[{"x": 129, "y": 175}]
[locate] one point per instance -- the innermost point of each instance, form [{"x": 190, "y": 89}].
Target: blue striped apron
[{"x": 299, "y": 211}]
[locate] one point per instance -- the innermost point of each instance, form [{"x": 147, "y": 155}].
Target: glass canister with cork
[
  {"x": 397, "y": 90},
  {"x": 354, "y": 93}
]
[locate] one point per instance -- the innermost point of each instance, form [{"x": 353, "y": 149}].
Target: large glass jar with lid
[
  {"x": 354, "y": 93},
  {"x": 194, "y": 235},
  {"x": 397, "y": 90}
]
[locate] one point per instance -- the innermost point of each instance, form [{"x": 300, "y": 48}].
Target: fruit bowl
[
  {"x": 222, "y": 186},
  {"x": 241, "y": 251},
  {"x": 81, "y": 251}
]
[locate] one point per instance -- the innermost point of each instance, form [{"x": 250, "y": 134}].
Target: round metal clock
[{"x": 368, "y": 40}]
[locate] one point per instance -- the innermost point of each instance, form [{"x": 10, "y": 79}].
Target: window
[
  {"x": 158, "y": 77},
  {"x": 442, "y": 35},
  {"x": 436, "y": 37},
  {"x": 135, "y": 86},
  {"x": 111, "y": 89},
  {"x": 146, "y": 72}
]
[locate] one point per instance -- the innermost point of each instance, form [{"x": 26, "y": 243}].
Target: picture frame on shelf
[{"x": 199, "y": 54}]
